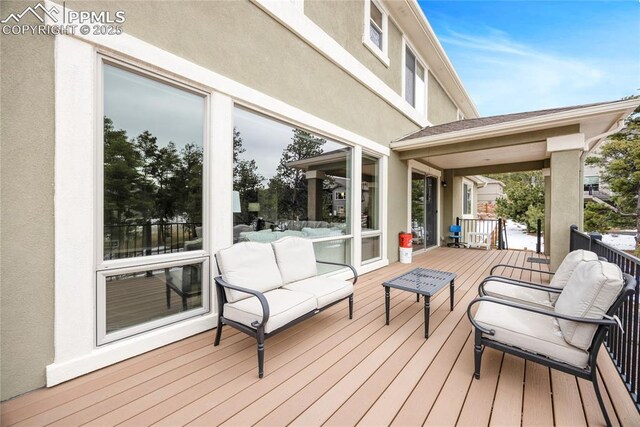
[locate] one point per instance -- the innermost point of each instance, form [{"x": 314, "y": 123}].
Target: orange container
[{"x": 404, "y": 239}]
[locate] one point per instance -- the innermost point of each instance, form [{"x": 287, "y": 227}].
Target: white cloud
[{"x": 505, "y": 76}]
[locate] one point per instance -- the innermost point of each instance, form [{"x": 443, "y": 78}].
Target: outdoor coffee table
[{"x": 421, "y": 281}]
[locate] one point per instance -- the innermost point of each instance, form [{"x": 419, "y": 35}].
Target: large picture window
[
  {"x": 153, "y": 145},
  {"x": 290, "y": 182}
]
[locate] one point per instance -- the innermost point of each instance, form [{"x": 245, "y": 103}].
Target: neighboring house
[
  {"x": 489, "y": 190},
  {"x": 92, "y": 126},
  {"x": 594, "y": 188}
]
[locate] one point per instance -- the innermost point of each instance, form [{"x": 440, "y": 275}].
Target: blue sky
[{"x": 527, "y": 55}]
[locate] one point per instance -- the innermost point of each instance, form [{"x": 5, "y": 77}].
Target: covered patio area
[{"x": 335, "y": 371}]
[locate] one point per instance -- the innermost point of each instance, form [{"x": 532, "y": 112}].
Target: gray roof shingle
[{"x": 492, "y": 120}]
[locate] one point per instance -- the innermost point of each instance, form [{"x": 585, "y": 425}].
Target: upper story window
[
  {"x": 375, "y": 26},
  {"x": 375, "y": 34},
  {"x": 415, "y": 88}
]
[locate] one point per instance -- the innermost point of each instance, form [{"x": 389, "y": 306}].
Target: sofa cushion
[
  {"x": 325, "y": 289},
  {"x": 529, "y": 331},
  {"x": 569, "y": 263},
  {"x": 589, "y": 293},
  {"x": 519, "y": 294},
  {"x": 284, "y": 307},
  {"x": 296, "y": 258},
  {"x": 250, "y": 265}
]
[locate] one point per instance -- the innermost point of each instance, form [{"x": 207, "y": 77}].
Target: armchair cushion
[
  {"x": 325, "y": 289},
  {"x": 589, "y": 293},
  {"x": 570, "y": 262},
  {"x": 296, "y": 258},
  {"x": 284, "y": 305},
  {"x": 518, "y": 294},
  {"x": 250, "y": 265},
  {"x": 533, "y": 332}
]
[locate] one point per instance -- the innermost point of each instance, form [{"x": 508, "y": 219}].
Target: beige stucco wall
[
  {"x": 565, "y": 202},
  {"x": 440, "y": 108},
  {"x": 236, "y": 39},
  {"x": 344, "y": 22},
  {"x": 26, "y": 209}
]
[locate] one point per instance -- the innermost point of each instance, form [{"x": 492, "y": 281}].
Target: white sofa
[{"x": 265, "y": 288}]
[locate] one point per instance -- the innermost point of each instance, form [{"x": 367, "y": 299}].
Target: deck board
[{"x": 335, "y": 371}]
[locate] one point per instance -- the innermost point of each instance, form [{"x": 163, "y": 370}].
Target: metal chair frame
[
  {"x": 588, "y": 373},
  {"x": 257, "y": 328}
]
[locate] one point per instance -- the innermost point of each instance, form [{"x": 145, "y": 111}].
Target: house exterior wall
[
  {"x": 26, "y": 209},
  {"x": 343, "y": 21},
  {"x": 490, "y": 193},
  {"x": 440, "y": 108},
  {"x": 259, "y": 53}
]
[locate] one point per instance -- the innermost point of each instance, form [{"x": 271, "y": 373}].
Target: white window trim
[
  {"x": 405, "y": 44},
  {"x": 465, "y": 181},
  {"x": 413, "y": 165},
  {"x": 381, "y": 54},
  {"x": 104, "y": 338},
  {"x": 382, "y": 209},
  {"x": 76, "y": 207}
]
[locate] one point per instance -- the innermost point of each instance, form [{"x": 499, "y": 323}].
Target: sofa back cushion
[
  {"x": 250, "y": 265},
  {"x": 589, "y": 293},
  {"x": 296, "y": 258},
  {"x": 563, "y": 273}
]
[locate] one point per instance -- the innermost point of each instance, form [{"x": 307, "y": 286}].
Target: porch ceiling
[
  {"x": 511, "y": 138},
  {"x": 492, "y": 156}
]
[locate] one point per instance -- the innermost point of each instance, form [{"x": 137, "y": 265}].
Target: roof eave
[{"x": 562, "y": 118}]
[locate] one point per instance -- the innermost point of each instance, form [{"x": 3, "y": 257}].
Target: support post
[
  {"x": 539, "y": 235},
  {"x": 500, "y": 241},
  {"x": 572, "y": 241},
  {"x": 566, "y": 192}
]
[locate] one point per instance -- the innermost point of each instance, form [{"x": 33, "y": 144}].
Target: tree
[
  {"x": 291, "y": 182},
  {"x": 524, "y": 197},
  {"x": 122, "y": 179},
  {"x": 246, "y": 179},
  {"x": 189, "y": 181},
  {"x": 619, "y": 159}
]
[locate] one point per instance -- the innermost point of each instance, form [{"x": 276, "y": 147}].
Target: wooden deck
[{"x": 334, "y": 371}]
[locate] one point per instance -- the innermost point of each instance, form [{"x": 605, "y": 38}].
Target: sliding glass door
[{"x": 424, "y": 211}]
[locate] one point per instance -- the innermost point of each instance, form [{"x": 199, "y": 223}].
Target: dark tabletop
[{"x": 423, "y": 281}]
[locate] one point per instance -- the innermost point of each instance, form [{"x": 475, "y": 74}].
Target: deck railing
[
  {"x": 134, "y": 240},
  {"x": 623, "y": 346},
  {"x": 492, "y": 227}
]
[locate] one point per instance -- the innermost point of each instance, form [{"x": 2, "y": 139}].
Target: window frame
[
  {"x": 101, "y": 263},
  {"x": 104, "y": 268},
  {"x": 469, "y": 184},
  {"x": 379, "y": 232},
  {"x": 418, "y": 62},
  {"x": 381, "y": 53},
  {"x": 102, "y": 337}
]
